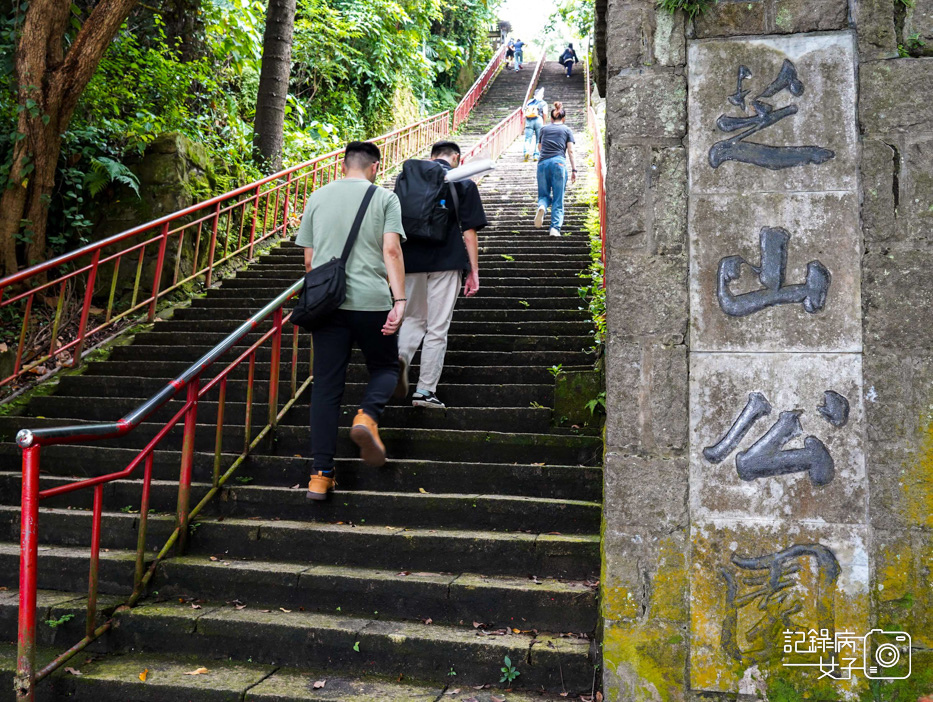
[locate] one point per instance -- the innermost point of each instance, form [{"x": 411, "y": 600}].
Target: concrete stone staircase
[{"x": 479, "y": 540}]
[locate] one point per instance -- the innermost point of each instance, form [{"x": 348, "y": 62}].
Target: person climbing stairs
[{"x": 471, "y": 557}]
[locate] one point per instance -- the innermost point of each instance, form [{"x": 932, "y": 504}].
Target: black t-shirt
[{"x": 452, "y": 255}]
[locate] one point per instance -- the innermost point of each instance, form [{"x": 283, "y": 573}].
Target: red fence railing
[
  {"x": 599, "y": 157},
  {"x": 465, "y": 107},
  {"x": 498, "y": 139},
  {"x": 199, "y": 388},
  {"x": 68, "y": 296}
]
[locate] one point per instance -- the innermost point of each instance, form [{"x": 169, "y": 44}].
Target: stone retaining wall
[{"x": 769, "y": 465}]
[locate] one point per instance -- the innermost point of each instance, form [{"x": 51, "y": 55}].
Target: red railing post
[
  {"x": 85, "y": 309},
  {"x": 157, "y": 279},
  {"x": 275, "y": 367},
  {"x": 28, "y": 576},
  {"x": 94, "y": 570},
  {"x": 288, "y": 191},
  {"x": 252, "y": 226},
  {"x": 187, "y": 462}
]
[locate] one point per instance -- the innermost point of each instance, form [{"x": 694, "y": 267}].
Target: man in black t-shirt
[{"x": 432, "y": 280}]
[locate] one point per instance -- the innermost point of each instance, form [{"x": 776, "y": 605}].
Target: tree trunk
[
  {"x": 49, "y": 85},
  {"x": 269, "y": 126}
]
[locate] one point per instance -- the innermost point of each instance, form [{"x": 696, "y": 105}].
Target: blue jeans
[
  {"x": 533, "y": 135},
  {"x": 569, "y": 67},
  {"x": 552, "y": 180},
  {"x": 519, "y": 58}
]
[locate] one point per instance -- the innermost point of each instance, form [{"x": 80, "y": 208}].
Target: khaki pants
[{"x": 431, "y": 301}]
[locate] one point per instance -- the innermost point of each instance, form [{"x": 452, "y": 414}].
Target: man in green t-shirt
[{"x": 369, "y": 317}]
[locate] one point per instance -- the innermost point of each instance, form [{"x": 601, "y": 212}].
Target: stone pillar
[{"x": 768, "y": 479}]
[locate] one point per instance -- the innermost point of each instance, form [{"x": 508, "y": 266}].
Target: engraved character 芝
[{"x": 738, "y": 148}]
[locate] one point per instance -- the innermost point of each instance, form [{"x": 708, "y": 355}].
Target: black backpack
[
  {"x": 325, "y": 287},
  {"x": 421, "y": 190}
]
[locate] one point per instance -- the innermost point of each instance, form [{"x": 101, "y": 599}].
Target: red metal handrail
[
  {"x": 465, "y": 107},
  {"x": 217, "y": 229},
  {"x": 599, "y": 161},
  {"x": 32, "y": 440},
  {"x": 498, "y": 139}
]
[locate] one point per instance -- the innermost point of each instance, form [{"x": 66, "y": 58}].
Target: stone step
[
  {"x": 410, "y": 475},
  {"x": 409, "y": 509},
  {"x": 520, "y": 290},
  {"x": 479, "y": 343},
  {"x": 355, "y": 645},
  {"x": 416, "y": 549},
  {"x": 465, "y": 305},
  {"x": 427, "y": 444},
  {"x": 207, "y": 311},
  {"x": 455, "y": 357}
]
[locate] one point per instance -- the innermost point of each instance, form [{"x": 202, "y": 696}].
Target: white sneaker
[
  {"x": 554, "y": 232},
  {"x": 539, "y": 215}
]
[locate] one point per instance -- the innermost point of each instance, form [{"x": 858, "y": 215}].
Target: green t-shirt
[{"x": 326, "y": 224}]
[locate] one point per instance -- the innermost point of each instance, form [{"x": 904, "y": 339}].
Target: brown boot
[
  {"x": 319, "y": 486},
  {"x": 365, "y": 434}
]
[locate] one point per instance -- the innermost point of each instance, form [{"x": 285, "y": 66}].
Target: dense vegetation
[{"x": 192, "y": 66}]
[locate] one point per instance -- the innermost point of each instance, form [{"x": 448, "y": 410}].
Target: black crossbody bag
[{"x": 325, "y": 287}]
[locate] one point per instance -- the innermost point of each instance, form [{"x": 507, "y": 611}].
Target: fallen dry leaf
[
  {"x": 285, "y": 610},
  {"x": 428, "y": 620},
  {"x": 481, "y": 687},
  {"x": 297, "y": 486},
  {"x": 422, "y": 490},
  {"x": 143, "y": 675},
  {"x": 240, "y": 606},
  {"x": 4, "y": 348},
  {"x": 453, "y": 692},
  {"x": 214, "y": 558},
  {"x": 318, "y": 684},
  {"x": 198, "y": 671},
  {"x": 195, "y": 606},
  {"x": 74, "y": 672},
  {"x": 493, "y": 698},
  {"x": 477, "y": 625}
]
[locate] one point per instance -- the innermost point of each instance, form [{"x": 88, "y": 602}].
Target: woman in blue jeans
[{"x": 556, "y": 148}]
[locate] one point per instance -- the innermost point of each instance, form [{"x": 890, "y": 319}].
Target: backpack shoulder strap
[
  {"x": 358, "y": 222},
  {"x": 455, "y": 199}
]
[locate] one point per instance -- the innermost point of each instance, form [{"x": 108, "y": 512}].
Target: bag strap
[
  {"x": 357, "y": 223},
  {"x": 455, "y": 199}
]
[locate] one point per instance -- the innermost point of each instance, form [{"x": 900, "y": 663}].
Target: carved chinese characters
[{"x": 778, "y": 487}]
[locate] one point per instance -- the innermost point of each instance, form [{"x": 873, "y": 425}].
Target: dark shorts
[{"x": 510, "y": 54}]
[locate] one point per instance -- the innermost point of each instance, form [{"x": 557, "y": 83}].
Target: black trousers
[{"x": 333, "y": 344}]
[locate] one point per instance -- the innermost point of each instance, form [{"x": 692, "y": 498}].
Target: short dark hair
[
  {"x": 445, "y": 148},
  {"x": 361, "y": 154}
]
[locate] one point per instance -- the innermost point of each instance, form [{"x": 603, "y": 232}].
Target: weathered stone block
[
  {"x": 644, "y": 662},
  {"x": 670, "y": 42},
  {"x": 898, "y": 300},
  {"x": 887, "y": 105},
  {"x": 792, "y": 16},
  {"x": 903, "y": 565},
  {"x": 731, "y": 18},
  {"x": 626, "y": 187},
  {"x": 915, "y": 209},
  {"x": 737, "y": 619},
  {"x": 818, "y": 128},
  {"x": 647, "y": 103},
  {"x": 822, "y": 230},
  {"x": 727, "y": 484},
  {"x": 878, "y": 198},
  {"x": 877, "y": 38},
  {"x": 918, "y": 27},
  {"x": 630, "y": 31},
  {"x": 646, "y": 395},
  {"x": 667, "y": 190},
  {"x": 649, "y": 295},
  {"x": 646, "y": 492},
  {"x": 623, "y": 391}
]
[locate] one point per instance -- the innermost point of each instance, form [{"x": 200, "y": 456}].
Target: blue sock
[{"x": 326, "y": 472}]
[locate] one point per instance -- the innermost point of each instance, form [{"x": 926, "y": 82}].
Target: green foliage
[
  {"x": 556, "y": 370},
  {"x": 579, "y": 15},
  {"x": 509, "y": 671},
  {"x": 594, "y": 291},
  {"x": 692, "y": 8},
  {"x": 351, "y": 61},
  {"x": 64, "y": 619},
  {"x": 597, "y": 404}
]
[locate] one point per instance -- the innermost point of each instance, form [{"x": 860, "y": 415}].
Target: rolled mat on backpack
[{"x": 473, "y": 168}]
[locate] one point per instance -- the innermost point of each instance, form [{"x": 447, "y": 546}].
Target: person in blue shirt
[
  {"x": 535, "y": 111},
  {"x": 568, "y": 58},
  {"x": 519, "y": 54},
  {"x": 556, "y": 147}
]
